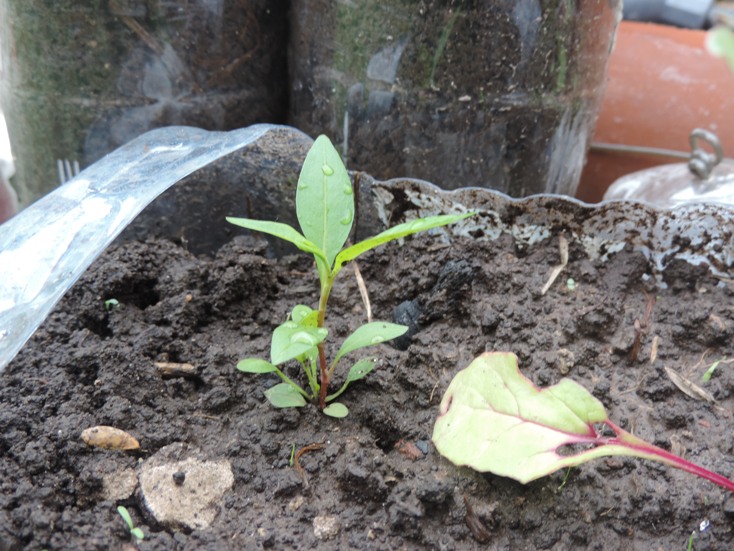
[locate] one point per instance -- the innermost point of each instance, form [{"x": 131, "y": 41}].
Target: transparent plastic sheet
[{"x": 46, "y": 247}]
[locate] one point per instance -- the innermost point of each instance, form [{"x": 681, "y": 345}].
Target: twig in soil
[
  {"x": 477, "y": 527},
  {"x": 433, "y": 390},
  {"x": 297, "y": 465},
  {"x": 362, "y": 290},
  {"x": 172, "y": 369},
  {"x": 563, "y": 247},
  {"x": 641, "y": 327}
]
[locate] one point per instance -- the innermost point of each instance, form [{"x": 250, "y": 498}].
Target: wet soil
[{"x": 376, "y": 482}]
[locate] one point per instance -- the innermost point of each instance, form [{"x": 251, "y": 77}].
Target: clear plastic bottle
[
  {"x": 495, "y": 94},
  {"x": 82, "y": 77}
]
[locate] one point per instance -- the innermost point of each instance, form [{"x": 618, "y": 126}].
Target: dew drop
[
  {"x": 327, "y": 170},
  {"x": 348, "y": 190},
  {"x": 347, "y": 218},
  {"x": 303, "y": 338},
  {"x": 377, "y": 340},
  {"x": 302, "y": 186}
]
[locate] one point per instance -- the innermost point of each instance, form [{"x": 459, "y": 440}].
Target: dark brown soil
[{"x": 377, "y": 472}]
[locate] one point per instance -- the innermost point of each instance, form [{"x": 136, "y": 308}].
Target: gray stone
[{"x": 326, "y": 527}]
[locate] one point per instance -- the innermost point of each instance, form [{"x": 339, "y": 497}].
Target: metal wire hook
[{"x": 701, "y": 162}]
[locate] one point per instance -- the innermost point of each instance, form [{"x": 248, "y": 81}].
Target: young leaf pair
[{"x": 325, "y": 212}]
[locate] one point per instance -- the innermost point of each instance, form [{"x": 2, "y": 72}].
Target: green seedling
[
  {"x": 493, "y": 419},
  {"x": 690, "y": 541},
  {"x": 706, "y": 377},
  {"x": 325, "y": 211},
  {"x": 111, "y": 303},
  {"x": 134, "y": 531}
]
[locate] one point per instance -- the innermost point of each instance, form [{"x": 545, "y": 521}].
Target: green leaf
[
  {"x": 255, "y": 365},
  {"x": 284, "y": 395},
  {"x": 396, "y": 232},
  {"x": 336, "y": 410},
  {"x": 122, "y": 511},
  {"x": 305, "y": 316},
  {"x": 370, "y": 334},
  {"x": 138, "y": 533},
  {"x": 278, "y": 229},
  {"x": 358, "y": 371},
  {"x": 720, "y": 42},
  {"x": 361, "y": 369},
  {"x": 291, "y": 340},
  {"x": 494, "y": 419},
  {"x": 325, "y": 199}
]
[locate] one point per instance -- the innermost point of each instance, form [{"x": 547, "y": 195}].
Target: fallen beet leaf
[
  {"x": 109, "y": 438},
  {"x": 493, "y": 419}
]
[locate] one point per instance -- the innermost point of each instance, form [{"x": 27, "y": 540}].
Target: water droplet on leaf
[
  {"x": 327, "y": 170},
  {"x": 347, "y": 218},
  {"x": 304, "y": 338},
  {"x": 377, "y": 340},
  {"x": 348, "y": 189}
]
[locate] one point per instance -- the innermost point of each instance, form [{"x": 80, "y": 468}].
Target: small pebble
[
  {"x": 295, "y": 503},
  {"x": 326, "y": 527},
  {"x": 179, "y": 477}
]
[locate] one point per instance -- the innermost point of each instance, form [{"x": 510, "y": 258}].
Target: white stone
[{"x": 196, "y": 501}]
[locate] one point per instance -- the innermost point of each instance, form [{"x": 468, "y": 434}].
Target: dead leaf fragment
[
  {"x": 109, "y": 438},
  {"x": 688, "y": 387}
]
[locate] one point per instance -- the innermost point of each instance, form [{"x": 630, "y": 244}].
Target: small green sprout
[
  {"x": 111, "y": 303},
  {"x": 325, "y": 211},
  {"x": 706, "y": 377},
  {"x": 690, "y": 541},
  {"x": 134, "y": 531}
]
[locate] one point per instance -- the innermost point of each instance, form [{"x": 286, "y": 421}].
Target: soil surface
[{"x": 375, "y": 481}]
